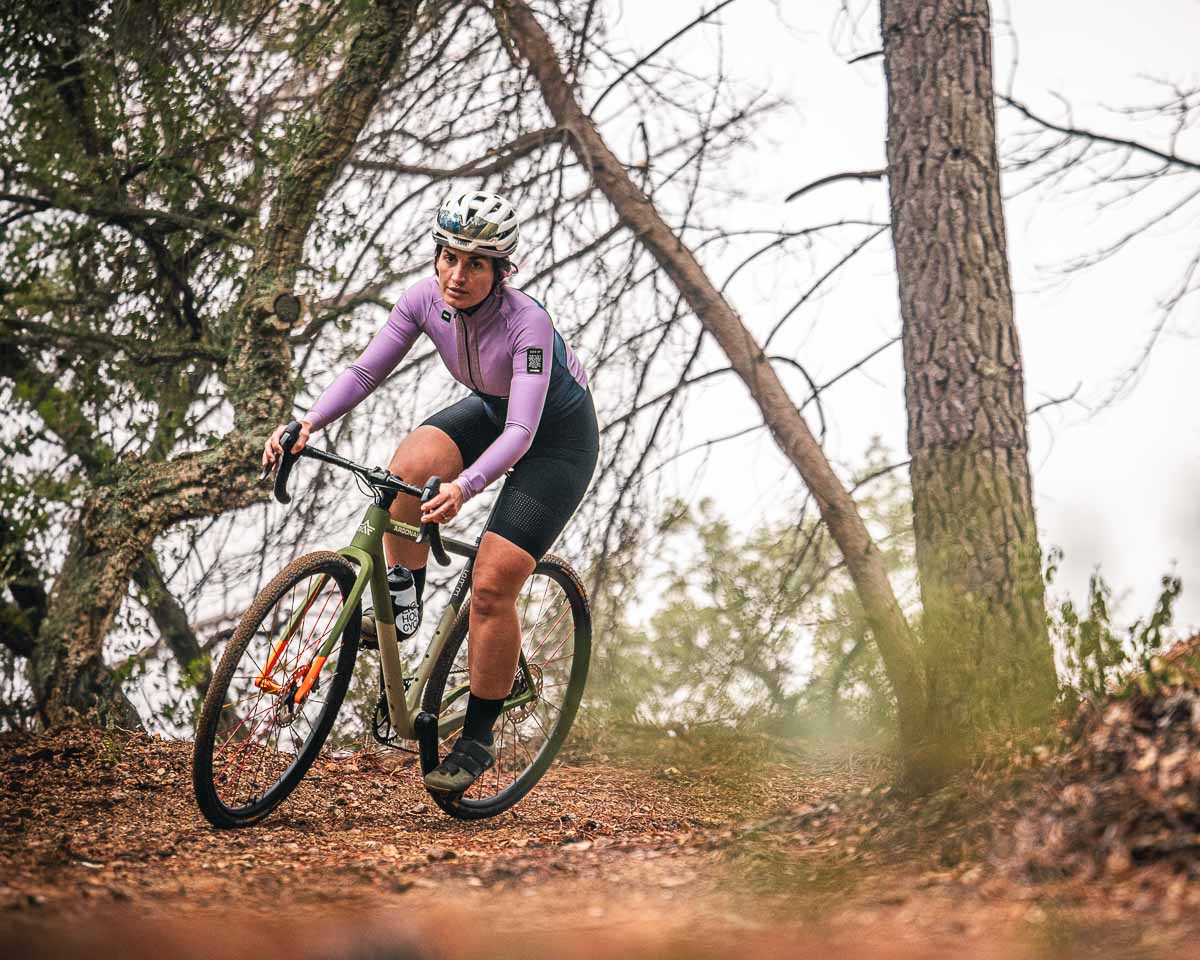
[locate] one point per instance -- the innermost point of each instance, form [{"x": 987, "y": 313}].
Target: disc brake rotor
[
  {"x": 524, "y": 711},
  {"x": 285, "y": 702}
]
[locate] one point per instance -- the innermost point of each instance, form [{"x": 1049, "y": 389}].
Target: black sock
[
  {"x": 481, "y": 717},
  {"x": 419, "y": 579}
]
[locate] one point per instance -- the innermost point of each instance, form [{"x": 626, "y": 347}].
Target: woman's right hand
[{"x": 274, "y": 448}]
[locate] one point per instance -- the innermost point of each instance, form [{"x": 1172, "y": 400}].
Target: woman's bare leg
[
  {"x": 424, "y": 453},
  {"x": 501, "y": 569}
]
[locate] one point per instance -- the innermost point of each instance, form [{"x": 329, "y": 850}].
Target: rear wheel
[
  {"x": 254, "y": 741},
  {"x": 556, "y": 640}
]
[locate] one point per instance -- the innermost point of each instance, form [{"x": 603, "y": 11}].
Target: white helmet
[{"x": 483, "y": 223}]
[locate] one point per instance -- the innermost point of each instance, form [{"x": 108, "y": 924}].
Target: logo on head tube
[{"x": 366, "y": 528}]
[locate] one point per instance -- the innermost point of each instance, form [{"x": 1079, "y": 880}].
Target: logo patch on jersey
[
  {"x": 446, "y": 315},
  {"x": 533, "y": 360}
]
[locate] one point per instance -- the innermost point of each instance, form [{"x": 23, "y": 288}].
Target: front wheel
[
  {"x": 258, "y": 731},
  {"x": 556, "y": 644}
]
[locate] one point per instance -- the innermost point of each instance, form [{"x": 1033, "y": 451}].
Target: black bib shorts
[{"x": 545, "y": 486}]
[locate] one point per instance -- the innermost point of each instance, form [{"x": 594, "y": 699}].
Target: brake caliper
[{"x": 285, "y": 702}]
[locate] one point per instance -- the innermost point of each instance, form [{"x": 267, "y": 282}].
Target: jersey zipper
[{"x": 467, "y": 348}]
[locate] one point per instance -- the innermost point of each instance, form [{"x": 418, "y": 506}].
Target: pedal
[{"x": 426, "y": 727}]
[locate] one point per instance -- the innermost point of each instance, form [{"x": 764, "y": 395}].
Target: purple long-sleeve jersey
[{"x": 505, "y": 350}]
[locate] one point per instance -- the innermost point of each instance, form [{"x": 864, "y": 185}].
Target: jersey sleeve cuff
[
  {"x": 315, "y": 419},
  {"x": 466, "y": 486}
]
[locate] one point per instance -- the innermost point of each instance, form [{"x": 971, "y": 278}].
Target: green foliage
[
  {"x": 758, "y": 629},
  {"x": 1098, "y": 655}
]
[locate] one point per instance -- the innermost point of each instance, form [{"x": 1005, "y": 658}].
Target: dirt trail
[{"x": 105, "y": 854}]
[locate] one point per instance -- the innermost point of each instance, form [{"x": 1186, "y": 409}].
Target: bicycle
[{"x": 277, "y": 689}]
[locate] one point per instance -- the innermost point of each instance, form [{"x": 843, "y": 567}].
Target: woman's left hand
[{"x": 445, "y": 506}]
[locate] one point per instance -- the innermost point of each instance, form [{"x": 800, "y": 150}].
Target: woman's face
[{"x": 464, "y": 278}]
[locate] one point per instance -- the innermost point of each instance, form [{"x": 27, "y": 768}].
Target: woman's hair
[{"x": 502, "y": 267}]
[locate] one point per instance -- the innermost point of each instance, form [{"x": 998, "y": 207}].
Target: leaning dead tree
[
  {"x": 988, "y": 659},
  {"x": 747, "y": 357}
]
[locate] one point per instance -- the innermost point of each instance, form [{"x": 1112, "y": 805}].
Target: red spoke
[
  {"x": 247, "y": 744},
  {"x": 250, "y": 716},
  {"x": 533, "y": 717},
  {"x": 542, "y": 605},
  {"x": 550, "y": 633},
  {"x": 305, "y": 648},
  {"x": 320, "y": 640}
]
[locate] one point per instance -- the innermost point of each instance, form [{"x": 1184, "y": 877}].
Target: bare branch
[
  {"x": 143, "y": 351},
  {"x": 1055, "y": 401},
  {"x": 655, "y": 52},
  {"x": 836, "y": 178},
  {"x": 172, "y": 621},
  {"x": 869, "y": 55},
  {"x": 1072, "y": 131},
  {"x": 503, "y": 157}
]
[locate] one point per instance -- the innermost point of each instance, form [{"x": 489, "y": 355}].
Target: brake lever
[
  {"x": 291, "y": 433},
  {"x": 430, "y": 531}
]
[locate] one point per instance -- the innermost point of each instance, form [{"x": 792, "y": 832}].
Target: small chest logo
[
  {"x": 533, "y": 360},
  {"x": 366, "y": 528},
  {"x": 446, "y": 315}
]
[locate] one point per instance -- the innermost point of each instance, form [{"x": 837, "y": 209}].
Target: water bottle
[{"x": 403, "y": 589}]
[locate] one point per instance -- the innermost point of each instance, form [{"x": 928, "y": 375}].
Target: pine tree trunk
[{"x": 989, "y": 663}]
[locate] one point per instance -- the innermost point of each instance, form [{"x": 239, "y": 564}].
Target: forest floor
[{"x": 682, "y": 846}]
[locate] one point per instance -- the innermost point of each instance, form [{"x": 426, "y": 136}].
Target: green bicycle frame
[{"x": 366, "y": 550}]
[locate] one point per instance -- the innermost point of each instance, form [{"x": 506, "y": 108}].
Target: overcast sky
[{"x": 1115, "y": 488}]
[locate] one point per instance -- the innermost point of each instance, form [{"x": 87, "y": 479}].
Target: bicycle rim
[
  {"x": 556, "y": 642},
  {"x": 258, "y": 733}
]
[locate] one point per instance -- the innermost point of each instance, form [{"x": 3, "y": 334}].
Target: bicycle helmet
[{"x": 483, "y": 223}]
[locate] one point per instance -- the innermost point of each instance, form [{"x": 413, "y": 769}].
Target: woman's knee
[
  {"x": 490, "y": 594},
  {"x": 501, "y": 569},
  {"x": 489, "y": 599},
  {"x": 424, "y": 453}
]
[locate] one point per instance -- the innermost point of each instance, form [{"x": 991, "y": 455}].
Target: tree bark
[
  {"x": 746, "y": 356},
  {"x": 173, "y": 624},
  {"x": 989, "y": 663},
  {"x": 139, "y": 499}
]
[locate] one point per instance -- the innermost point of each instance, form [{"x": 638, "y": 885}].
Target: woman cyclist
[{"x": 529, "y": 411}]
